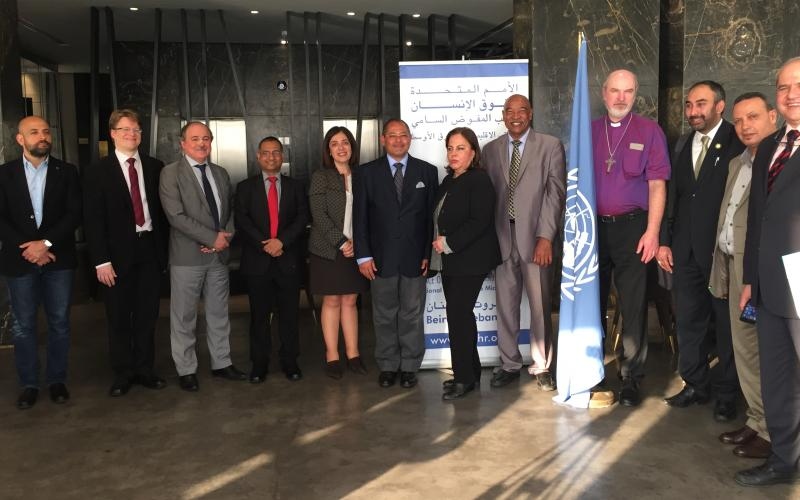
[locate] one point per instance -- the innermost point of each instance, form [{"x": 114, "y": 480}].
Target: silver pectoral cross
[{"x": 611, "y": 161}]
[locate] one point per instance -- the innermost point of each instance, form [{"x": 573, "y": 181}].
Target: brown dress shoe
[
  {"x": 739, "y": 436},
  {"x": 757, "y": 447}
]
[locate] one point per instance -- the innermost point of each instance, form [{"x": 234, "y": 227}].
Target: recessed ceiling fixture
[
  {"x": 254, "y": 12},
  {"x": 408, "y": 43},
  {"x": 415, "y": 15},
  {"x": 134, "y": 9},
  {"x": 351, "y": 13}
]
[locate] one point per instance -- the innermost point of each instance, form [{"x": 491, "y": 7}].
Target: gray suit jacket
[
  {"x": 718, "y": 284},
  {"x": 327, "y": 199},
  {"x": 189, "y": 215},
  {"x": 539, "y": 196}
]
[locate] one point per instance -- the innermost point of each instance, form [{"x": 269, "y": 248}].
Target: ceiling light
[
  {"x": 408, "y": 43},
  {"x": 254, "y": 12},
  {"x": 415, "y": 15},
  {"x": 134, "y": 9},
  {"x": 351, "y": 13},
  {"x": 283, "y": 42}
]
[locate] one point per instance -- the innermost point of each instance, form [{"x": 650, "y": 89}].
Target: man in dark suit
[
  {"x": 271, "y": 213},
  {"x": 127, "y": 232},
  {"x": 40, "y": 208},
  {"x": 699, "y": 174},
  {"x": 773, "y": 231},
  {"x": 197, "y": 198},
  {"x": 393, "y": 200}
]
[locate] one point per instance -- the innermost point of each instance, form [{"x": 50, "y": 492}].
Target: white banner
[{"x": 436, "y": 97}]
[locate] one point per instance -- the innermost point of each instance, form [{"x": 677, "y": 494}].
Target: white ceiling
[{"x": 69, "y": 21}]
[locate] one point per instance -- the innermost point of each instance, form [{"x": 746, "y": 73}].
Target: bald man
[
  {"x": 40, "y": 208},
  {"x": 631, "y": 168}
]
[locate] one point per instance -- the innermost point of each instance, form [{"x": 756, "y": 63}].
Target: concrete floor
[{"x": 321, "y": 438}]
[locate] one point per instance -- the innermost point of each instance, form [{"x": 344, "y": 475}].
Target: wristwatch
[{"x": 47, "y": 243}]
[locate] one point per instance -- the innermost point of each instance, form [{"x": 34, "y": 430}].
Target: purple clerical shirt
[{"x": 640, "y": 156}]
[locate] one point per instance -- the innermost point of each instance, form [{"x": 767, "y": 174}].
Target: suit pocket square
[{"x": 420, "y": 185}]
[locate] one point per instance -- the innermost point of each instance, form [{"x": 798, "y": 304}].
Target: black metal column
[{"x": 154, "y": 101}]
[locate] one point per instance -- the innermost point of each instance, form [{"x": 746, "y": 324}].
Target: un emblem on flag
[{"x": 579, "y": 265}]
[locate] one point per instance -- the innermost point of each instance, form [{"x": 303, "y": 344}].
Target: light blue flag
[{"x": 580, "y": 334}]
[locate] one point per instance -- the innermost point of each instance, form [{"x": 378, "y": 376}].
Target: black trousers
[
  {"x": 779, "y": 349},
  {"x": 461, "y": 292},
  {"x": 617, "y": 255},
  {"x": 264, "y": 291},
  {"x": 695, "y": 308},
  {"x": 132, "y": 311}
]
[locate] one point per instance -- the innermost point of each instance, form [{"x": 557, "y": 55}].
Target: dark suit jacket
[
  {"x": 61, "y": 215},
  {"x": 108, "y": 220},
  {"x": 466, "y": 220},
  {"x": 327, "y": 199},
  {"x": 251, "y": 218},
  {"x": 773, "y": 229},
  {"x": 398, "y": 236},
  {"x": 693, "y": 204}
]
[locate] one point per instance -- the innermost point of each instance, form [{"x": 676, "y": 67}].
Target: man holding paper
[{"x": 773, "y": 233}]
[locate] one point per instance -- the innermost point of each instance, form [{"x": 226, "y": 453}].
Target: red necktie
[
  {"x": 780, "y": 161},
  {"x": 136, "y": 196},
  {"x": 272, "y": 204}
]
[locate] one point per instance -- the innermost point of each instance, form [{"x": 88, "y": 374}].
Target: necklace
[{"x": 611, "y": 161}]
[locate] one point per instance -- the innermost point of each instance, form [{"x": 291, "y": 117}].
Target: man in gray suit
[
  {"x": 529, "y": 175},
  {"x": 754, "y": 119},
  {"x": 197, "y": 199}
]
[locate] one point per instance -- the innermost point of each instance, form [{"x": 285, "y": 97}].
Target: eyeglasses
[{"x": 128, "y": 130}]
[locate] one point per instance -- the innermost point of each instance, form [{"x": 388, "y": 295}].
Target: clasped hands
[
  {"x": 221, "y": 243},
  {"x": 36, "y": 252}
]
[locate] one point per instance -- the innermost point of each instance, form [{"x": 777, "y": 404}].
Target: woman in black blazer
[
  {"x": 333, "y": 269},
  {"x": 466, "y": 242}
]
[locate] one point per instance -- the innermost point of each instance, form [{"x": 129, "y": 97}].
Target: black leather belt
[
  {"x": 143, "y": 234},
  {"x": 622, "y": 217}
]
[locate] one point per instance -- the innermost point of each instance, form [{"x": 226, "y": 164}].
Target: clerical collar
[{"x": 619, "y": 123}]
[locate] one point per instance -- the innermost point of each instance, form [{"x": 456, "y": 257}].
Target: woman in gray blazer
[{"x": 333, "y": 269}]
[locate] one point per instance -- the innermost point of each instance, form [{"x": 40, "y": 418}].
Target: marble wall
[{"x": 11, "y": 103}]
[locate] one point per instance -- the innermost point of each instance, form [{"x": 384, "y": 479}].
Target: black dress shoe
[
  {"x": 257, "y": 378},
  {"x": 292, "y": 372},
  {"x": 757, "y": 447},
  {"x": 408, "y": 380},
  {"x": 230, "y": 372},
  {"x": 356, "y": 365},
  {"x": 724, "y": 411},
  {"x": 333, "y": 369},
  {"x": 387, "y": 379},
  {"x": 688, "y": 396},
  {"x": 503, "y": 378},
  {"x": 739, "y": 436},
  {"x": 457, "y": 391},
  {"x": 545, "y": 381},
  {"x": 629, "y": 392},
  {"x": 150, "y": 381},
  {"x": 27, "y": 398},
  {"x": 766, "y": 474},
  {"x": 449, "y": 383},
  {"x": 59, "y": 393},
  {"x": 189, "y": 382},
  {"x": 119, "y": 388}
]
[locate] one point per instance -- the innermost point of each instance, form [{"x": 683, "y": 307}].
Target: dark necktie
[
  {"x": 272, "y": 206},
  {"x": 513, "y": 172},
  {"x": 212, "y": 203},
  {"x": 136, "y": 196},
  {"x": 780, "y": 161},
  {"x": 398, "y": 180}
]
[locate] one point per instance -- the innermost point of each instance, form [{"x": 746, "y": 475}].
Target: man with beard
[
  {"x": 700, "y": 172},
  {"x": 40, "y": 208},
  {"x": 631, "y": 167}
]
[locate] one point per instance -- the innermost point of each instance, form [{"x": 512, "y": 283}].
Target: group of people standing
[{"x": 719, "y": 216}]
